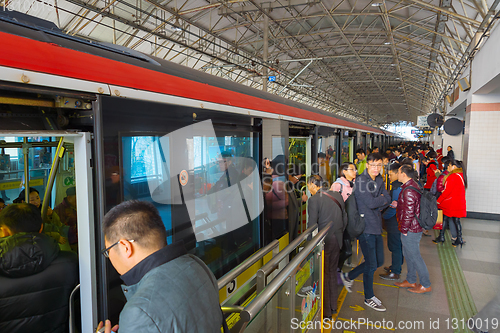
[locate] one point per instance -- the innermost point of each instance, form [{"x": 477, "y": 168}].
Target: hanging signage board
[{"x": 422, "y": 121}]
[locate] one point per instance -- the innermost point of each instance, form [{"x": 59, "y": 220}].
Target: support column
[{"x": 265, "y": 52}]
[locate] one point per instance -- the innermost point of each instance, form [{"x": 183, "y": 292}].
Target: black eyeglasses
[{"x": 105, "y": 252}]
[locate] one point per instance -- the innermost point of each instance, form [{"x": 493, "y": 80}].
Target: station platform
[{"x": 478, "y": 267}]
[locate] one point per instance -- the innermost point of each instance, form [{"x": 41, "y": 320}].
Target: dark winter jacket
[
  {"x": 409, "y": 208},
  {"x": 35, "y": 283},
  {"x": 371, "y": 197},
  {"x": 322, "y": 209}
]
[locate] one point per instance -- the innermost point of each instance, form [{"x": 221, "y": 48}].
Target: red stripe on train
[{"x": 24, "y": 53}]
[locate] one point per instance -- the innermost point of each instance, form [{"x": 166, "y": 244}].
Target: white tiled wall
[{"x": 483, "y": 162}]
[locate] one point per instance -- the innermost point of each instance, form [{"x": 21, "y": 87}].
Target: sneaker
[
  {"x": 375, "y": 304},
  {"x": 345, "y": 280}
]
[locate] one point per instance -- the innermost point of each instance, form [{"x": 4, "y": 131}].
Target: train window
[
  {"x": 327, "y": 158},
  {"x": 39, "y": 157},
  {"x": 148, "y": 164},
  {"x": 347, "y": 150}
]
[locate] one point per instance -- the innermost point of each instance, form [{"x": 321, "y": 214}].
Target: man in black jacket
[
  {"x": 323, "y": 207},
  {"x": 36, "y": 279},
  {"x": 371, "y": 198}
]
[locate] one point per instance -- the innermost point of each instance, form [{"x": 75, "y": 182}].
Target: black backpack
[
  {"x": 355, "y": 224},
  {"x": 428, "y": 209}
]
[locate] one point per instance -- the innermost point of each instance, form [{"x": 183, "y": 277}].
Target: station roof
[{"x": 372, "y": 61}]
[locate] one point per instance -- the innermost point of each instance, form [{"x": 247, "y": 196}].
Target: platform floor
[{"x": 407, "y": 312}]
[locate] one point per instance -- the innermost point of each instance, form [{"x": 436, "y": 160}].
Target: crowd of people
[
  {"x": 385, "y": 190},
  {"x": 388, "y": 188}
]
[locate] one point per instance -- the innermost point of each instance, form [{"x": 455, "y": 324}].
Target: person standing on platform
[
  {"x": 452, "y": 200},
  {"x": 408, "y": 210},
  {"x": 323, "y": 207},
  {"x": 430, "y": 170},
  {"x": 446, "y": 220},
  {"x": 391, "y": 226},
  {"x": 371, "y": 198},
  {"x": 277, "y": 199},
  {"x": 451, "y": 154},
  {"x": 397, "y": 154},
  {"x": 344, "y": 185},
  {"x": 360, "y": 160}
]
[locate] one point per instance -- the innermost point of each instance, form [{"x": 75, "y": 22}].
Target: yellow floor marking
[
  {"x": 360, "y": 292},
  {"x": 376, "y": 326},
  {"x": 279, "y": 307},
  {"x": 357, "y": 308},
  {"x": 380, "y": 284}
]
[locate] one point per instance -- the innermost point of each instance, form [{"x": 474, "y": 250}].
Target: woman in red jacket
[{"x": 452, "y": 200}]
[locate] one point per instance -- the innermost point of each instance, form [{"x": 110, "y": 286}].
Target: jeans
[
  {"x": 396, "y": 247},
  {"x": 414, "y": 261},
  {"x": 372, "y": 247}
]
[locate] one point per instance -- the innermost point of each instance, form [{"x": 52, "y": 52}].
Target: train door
[
  {"x": 300, "y": 160},
  {"x": 56, "y": 165},
  {"x": 327, "y": 157}
]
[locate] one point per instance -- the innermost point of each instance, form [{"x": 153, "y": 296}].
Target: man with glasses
[
  {"x": 166, "y": 289},
  {"x": 371, "y": 197}
]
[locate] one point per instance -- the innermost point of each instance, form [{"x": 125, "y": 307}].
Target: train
[{"x": 112, "y": 110}]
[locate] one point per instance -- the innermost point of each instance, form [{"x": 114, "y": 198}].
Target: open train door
[{"x": 52, "y": 162}]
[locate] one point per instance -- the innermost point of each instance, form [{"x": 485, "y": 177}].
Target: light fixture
[
  {"x": 376, "y": 4},
  {"x": 176, "y": 28},
  {"x": 393, "y": 64},
  {"x": 397, "y": 78},
  {"x": 387, "y": 43}
]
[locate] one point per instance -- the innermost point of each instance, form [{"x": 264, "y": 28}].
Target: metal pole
[
  {"x": 26, "y": 171},
  {"x": 265, "y": 51},
  {"x": 52, "y": 177},
  {"x": 296, "y": 76}
]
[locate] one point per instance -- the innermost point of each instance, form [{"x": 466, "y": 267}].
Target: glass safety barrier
[{"x": 294, "y": 295}]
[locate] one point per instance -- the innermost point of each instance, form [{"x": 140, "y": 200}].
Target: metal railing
[
  {"x": 233, "y": 274},
  {"x": 271, "y": 265},
  {"x": 251, "y": 310}
]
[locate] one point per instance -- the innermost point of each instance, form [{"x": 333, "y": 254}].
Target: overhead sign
[
  {"x": 271, "y": 78},
  {"x": 417, "y": 131},
  {"x": 428, "y": 132},
  {"x": 422, "y": 121}
]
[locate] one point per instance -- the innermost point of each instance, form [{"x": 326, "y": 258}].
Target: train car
[{"x": 121, "y": 125}]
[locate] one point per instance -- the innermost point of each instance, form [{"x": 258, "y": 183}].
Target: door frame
[{"x": 85, "y": 212}]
